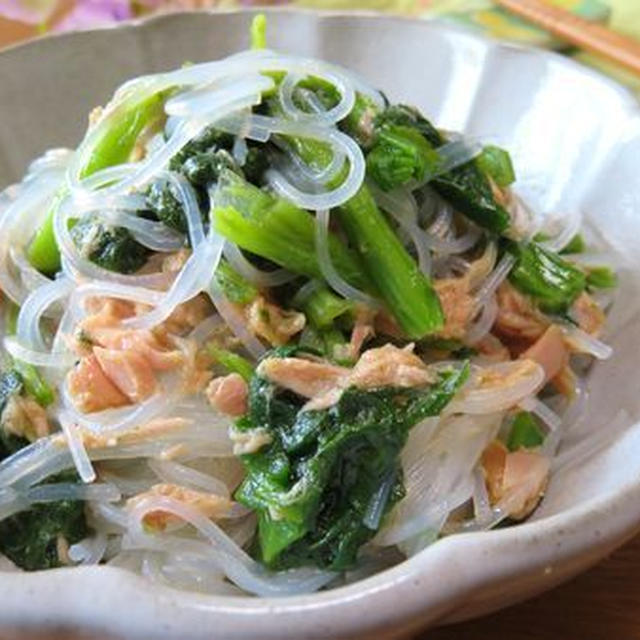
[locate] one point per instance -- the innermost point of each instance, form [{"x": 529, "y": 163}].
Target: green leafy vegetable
[
  {"x": 601, "y": 278},
  {"x": 113, "y": 147},
  {"x": 525, "y": 432},
  {"x": 31, "y": 538},
  {"x": 359, "y": 122},
  {"x": 255, "y": 165},
  {"x": 162, "y": 202},
  {"x": 34, "y": 384},
  {"x": 235, "y": 287},
  {"x": 407, "y": 292},
  {"x": 259, "y": 32},
  {"x": 577, "y": 244},
  {"x": 496, "y": 163},
  {"x": 553, "y": 282},
  {"x": 466, "y": 187},
  {"x": 317, "y": 486},
  {"x": 322, "y": 307},
  {"x": 275, "y": 229},
  {"x": 116, "y": 143},
  {"x": 231, "y": 361},
  {"x": 204, "y": 167},
  {"x": 209, "y": 141},
  {"x": 330, "y": 343},
  {"x": 112, "y": 248},
  {"x": 400, "y": 154}
]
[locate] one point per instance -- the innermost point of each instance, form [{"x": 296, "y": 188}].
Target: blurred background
[{"x": 23, "y": 19}]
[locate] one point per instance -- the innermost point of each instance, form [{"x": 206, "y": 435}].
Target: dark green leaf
[
  {"x": 30, "y": 538},
  {"x": 466, "y": 187},
  {"x": 576, "y": 245},
  {"x": 112, "y": 248},
  {"x": 552, "y": 281},
  {"x": 496, "y": 163},
  {"x": 324, "y": 483}
]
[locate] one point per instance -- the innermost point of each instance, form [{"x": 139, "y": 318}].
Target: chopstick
[{"x": 578, "y": 31}]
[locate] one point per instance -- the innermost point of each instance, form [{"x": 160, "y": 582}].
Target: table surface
[{"x": 602, "y": 604}]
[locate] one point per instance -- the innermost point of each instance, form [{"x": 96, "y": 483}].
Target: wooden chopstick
[{"x": 578, "y": 31}]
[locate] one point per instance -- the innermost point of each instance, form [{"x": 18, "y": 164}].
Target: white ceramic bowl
[{"x": 575, "y": 138}]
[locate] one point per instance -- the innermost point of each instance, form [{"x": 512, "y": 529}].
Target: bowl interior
[{"x": 574, "y": 138}]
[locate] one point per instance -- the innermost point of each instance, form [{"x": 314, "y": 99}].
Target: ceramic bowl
[{"x": 575, "y": 140}]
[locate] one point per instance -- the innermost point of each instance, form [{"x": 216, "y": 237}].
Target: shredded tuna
[
  {"x": 129, "y": 371},
  {"x": 363, "y": 329},
  {"x": 488, "y": 379},
  {"x": 228, "y": 394},
  {"x": 249, "y": 441},
  {"x": 588, "y": 314},
  {"x": 565, "y": 382},
  {"x": 188, "y": 315},
  {"x": 156, "y": 347},
  {"x": 457, "y": 306},
  {"x": 131, "y": 358},
  {"x": 324, "y": 383},
  {"x": 90, "y": 388},
  {"x": 516, "y": 480},
  {"x": 307, "y": 378},
  {"x": 269, "y": 321},
  {"x": 518, "y": 317},
  {"x": 493, "y": 462},
  {"x": 209, "y": 505},
  {"x": 196, "y": 372},
  {"x": 492, "y": 349},
  {"x": 111, "y": 310},
  {"x": 550, "y": 352},
  {"x": 25, "y": 418},
  {"x": 390, "y": 366},
  {"x": 62, "y": 550}
]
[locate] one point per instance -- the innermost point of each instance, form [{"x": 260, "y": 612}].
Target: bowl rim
[{"x": 415, "y": 598}]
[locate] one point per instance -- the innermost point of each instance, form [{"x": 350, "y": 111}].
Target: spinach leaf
[
  {"x": 544, "y": 275},
  {"x": 30, "y": 538},
  {"x": 112, "y": 248},
  {"x": 322, "y": 486},
  {"x": 466, "y": 187}
]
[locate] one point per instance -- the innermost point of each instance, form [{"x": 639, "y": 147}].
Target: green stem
[
  {"x": 231, "y": 361},
  {"x": 276, "y": 229},
  {"x": 34, "y": 383},
  {"x": 113, "y": 147},
  {"x": 407, "y": 292},
  {"x": 322, "y": 307}
]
